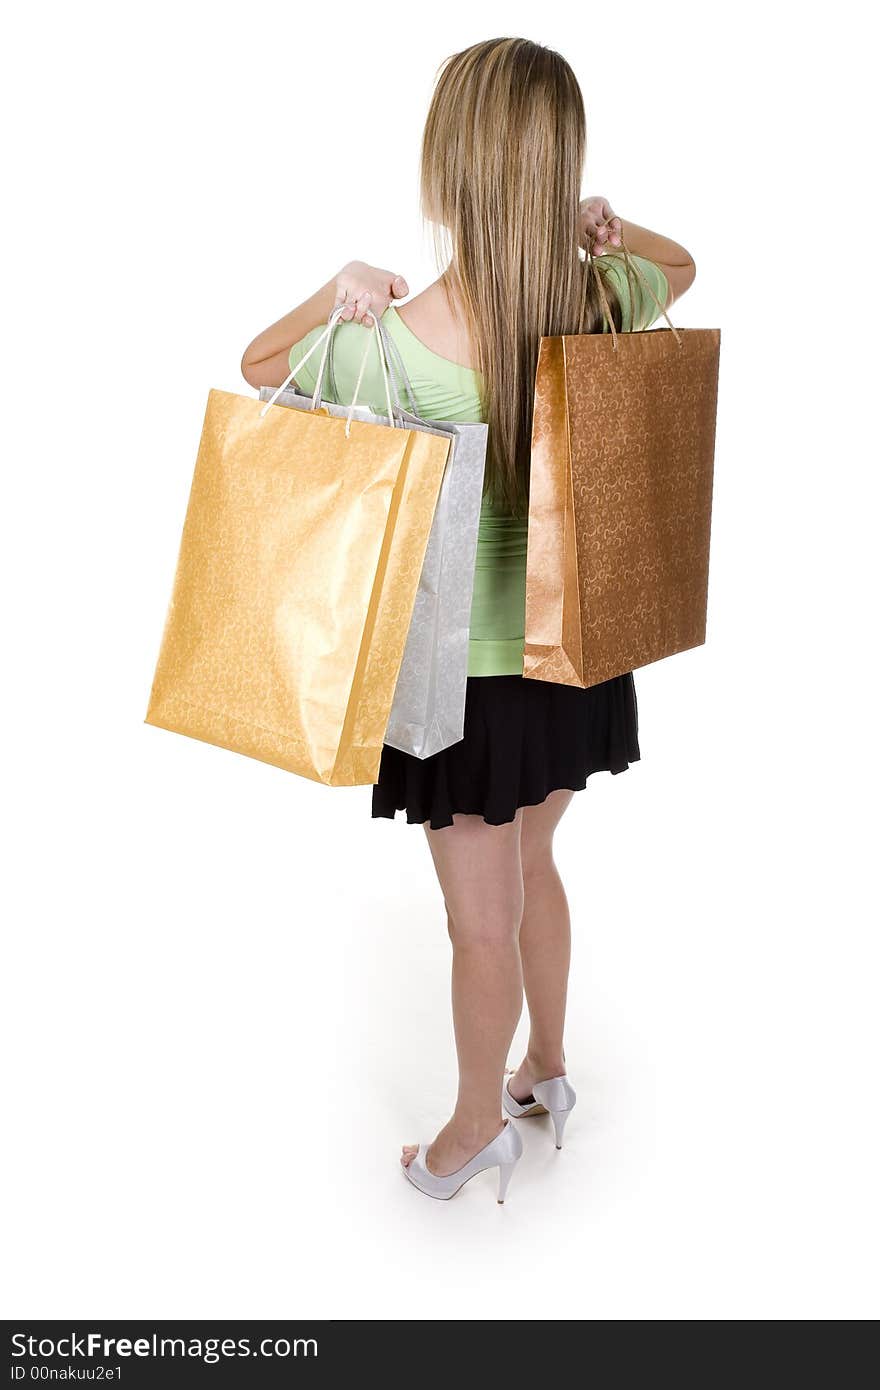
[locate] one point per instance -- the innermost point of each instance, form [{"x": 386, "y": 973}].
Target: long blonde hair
[{"x": 502, "y": 161}]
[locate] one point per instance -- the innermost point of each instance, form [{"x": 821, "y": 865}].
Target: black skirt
[{"x": 522, "y": 740}]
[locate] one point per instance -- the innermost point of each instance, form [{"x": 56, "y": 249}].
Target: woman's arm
[
  {"x": 603, "y": 228},
  {"x": 358, "y": 286}
]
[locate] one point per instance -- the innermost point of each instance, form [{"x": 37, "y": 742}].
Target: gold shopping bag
[
  {"x": 620, "y": 500},
  {"x": 296, "y": 578}
]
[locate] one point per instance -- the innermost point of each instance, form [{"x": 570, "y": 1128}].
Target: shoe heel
[
  {"x": 560, "y": 1119},
  {"x": 505, "y": 1173}
]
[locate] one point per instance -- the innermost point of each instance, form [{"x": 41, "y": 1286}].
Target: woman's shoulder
[
  {"x": 443, "y": 388},
  {"x": 437, "y": 328}
]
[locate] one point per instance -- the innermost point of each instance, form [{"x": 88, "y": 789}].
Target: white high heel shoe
[
  {"x": 503, "y": 1152},
  {"x": 556, "y": 1097}
]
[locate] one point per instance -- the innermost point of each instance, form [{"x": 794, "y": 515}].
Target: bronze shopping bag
[
  {"x": 620, "y": 500},
  {"x": 296, "y": 579}
]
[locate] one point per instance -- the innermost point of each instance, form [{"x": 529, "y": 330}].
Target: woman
[{"x": 502, "y": 159}]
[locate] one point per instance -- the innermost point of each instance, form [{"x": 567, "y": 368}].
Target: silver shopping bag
[{"x": 427, "y": 713}]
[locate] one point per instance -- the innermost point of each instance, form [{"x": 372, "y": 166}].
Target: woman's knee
[
  {"x": 487, "y": 924},
  {"x": 480, "y": 875}
]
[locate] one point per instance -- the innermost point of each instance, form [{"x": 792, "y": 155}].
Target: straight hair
[{"x": 501, "y": 167}]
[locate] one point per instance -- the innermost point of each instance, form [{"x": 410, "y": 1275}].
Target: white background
[{"x": 226, "y": 992}]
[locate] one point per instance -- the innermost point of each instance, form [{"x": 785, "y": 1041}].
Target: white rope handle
[
  {"x": 357, "y": 389},
  {"x": 384, "y": 365},
  {"x": 325, "y": 339}
]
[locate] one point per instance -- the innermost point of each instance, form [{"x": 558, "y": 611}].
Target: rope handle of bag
[
  {"x": 632, "y": 264},
  {"x": 396, "y": 369},
  {"x": 324, "y": 340}
]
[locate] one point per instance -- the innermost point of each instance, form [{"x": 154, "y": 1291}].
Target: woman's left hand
[
  {"x": 361, "y": 288},
  {"x": 600, "y": 225}
]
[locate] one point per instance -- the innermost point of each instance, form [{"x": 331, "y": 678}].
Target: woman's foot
[
  {"x": 455, "y": 1145},
  {"x": 528, "y": 1073}
]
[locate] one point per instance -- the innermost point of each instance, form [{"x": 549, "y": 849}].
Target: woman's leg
[
  {"x": 480, "y": 874},
  {"x": 545, "y": 945}
]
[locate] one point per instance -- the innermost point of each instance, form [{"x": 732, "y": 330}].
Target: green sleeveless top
[{"x": 444, "y": 390}]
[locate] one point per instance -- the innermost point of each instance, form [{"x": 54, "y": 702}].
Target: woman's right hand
[
  {"x": 600, "y": 225},
  {"x": 361, "y": 288}
]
